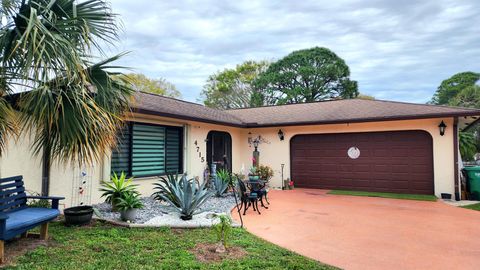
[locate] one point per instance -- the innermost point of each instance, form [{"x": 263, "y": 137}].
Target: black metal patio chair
[
  {"x": 247, "y": 198},
  {"x": 259, "y": 187}
]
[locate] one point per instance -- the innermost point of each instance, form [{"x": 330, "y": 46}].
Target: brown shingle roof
[
  {"x": 171, "y": 107},
  {"x": 324, "y": 112}
]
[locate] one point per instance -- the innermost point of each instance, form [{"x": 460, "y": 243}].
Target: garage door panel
[{"x": 399, "y": 161}]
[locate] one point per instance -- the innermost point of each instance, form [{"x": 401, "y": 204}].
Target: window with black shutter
[{"x": 148, "y": 150}]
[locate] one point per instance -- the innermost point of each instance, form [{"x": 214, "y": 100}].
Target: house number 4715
[{"x": 202, "y": 159}]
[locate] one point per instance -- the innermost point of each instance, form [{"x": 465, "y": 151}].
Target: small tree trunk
[{"x": 46, "y": 162}]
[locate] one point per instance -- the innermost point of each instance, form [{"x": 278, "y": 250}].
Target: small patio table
[{"x": 259, "y": 187}]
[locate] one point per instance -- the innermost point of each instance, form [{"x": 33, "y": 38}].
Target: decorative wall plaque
[{"x": 353, "y": 152}]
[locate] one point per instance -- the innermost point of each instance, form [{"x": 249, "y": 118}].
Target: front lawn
[
  {"x": 106, "y": 247},
  {"x": 385, "y": 195},
  {"x": 472, "y": 206}
]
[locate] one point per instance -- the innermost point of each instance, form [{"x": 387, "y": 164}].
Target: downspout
[{"x": 455, "y": 157}]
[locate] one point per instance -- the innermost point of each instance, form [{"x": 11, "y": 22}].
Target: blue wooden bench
[{"x": 16, "y": 218}]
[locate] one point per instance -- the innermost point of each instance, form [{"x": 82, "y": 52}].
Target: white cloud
[{"x": 398, "y": 50}]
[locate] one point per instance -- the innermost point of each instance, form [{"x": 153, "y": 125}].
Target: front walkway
[{"x": 369, "y": 233}]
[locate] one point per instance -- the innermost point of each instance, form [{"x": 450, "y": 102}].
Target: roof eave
[
  {"x": 184, "y": 117},
  {"x": 307, "y": 123},
  {"x": 363, "y": 120}
]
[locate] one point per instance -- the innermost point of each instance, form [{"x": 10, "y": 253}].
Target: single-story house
[{"x": 353, "y": 144}]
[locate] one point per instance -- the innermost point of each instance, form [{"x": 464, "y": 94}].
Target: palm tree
[{"x": 72, "y": 106}]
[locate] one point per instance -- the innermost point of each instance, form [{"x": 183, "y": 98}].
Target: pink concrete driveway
[{"x": 370, "y": 233}]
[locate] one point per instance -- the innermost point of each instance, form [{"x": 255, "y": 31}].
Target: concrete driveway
[{"x": 369, "y": 233}]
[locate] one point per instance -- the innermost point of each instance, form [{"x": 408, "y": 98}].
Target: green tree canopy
[
  {"x": 468, "y": 97},
  {"x": 461, "y": 90},
  {"x": 160, "y": 86},
  {"x": 452, "y": 86},
  {"x": 232, "y": 88},
  {"x": 305, "y": 76}
]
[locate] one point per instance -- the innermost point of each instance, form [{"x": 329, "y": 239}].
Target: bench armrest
[
  {"x": 54, "y": 199},
  {"x": 46, "y": 197},
  {"x": 3, "y": 217}
]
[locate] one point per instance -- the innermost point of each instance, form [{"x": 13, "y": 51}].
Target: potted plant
[
  {"x": 290, "y": 185},
  {"x": 265, "y": 172},
  {"x": 253, "y": 175},
  {"x": 116, "y": 188},
  {"x": 128, "y": 205}
]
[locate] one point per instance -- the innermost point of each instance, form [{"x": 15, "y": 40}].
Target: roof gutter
[
  {"x": 307, "y": 123},
  {"x": 361, "y": 120}
]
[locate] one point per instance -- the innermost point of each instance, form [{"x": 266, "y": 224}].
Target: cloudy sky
[{"x": 396, "y": 50}]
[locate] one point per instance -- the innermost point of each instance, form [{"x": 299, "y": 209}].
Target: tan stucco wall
[
  {"x": 277, "y": 152},
  {"x": 17, "y": 160}
]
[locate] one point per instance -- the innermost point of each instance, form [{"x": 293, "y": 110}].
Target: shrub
[
  {"x": 189, "y": 195},
  {"x": 38, "y": 203},
  {"x": 265, "y": 172},
  {"x": 118, "y": 187},
  {"x": 223, "y": 229},
  {"x": 221, "y": 182}
]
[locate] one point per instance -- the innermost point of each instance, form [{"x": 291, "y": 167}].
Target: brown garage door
[{"x": 400, "y": 161}]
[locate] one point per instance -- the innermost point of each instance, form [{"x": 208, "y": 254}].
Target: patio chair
[
  {"x": 259, "y": 187},
  {"x": 247, "y": 198}
]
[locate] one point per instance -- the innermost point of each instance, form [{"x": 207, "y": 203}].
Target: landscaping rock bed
[{"x": 156, "y": 214}]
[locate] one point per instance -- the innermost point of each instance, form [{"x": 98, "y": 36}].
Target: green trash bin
[{"x": 473, "y": 175}]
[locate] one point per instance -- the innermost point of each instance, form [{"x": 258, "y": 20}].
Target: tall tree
[
  {"x": 461, "y": 90},
  {"x": 72, "y": 106},
  {"x": 232, "y": 88},
  {"x": 450, "y": 87},
  {"x": 305, "y": 76},
  {"x": 468, "y": 97},
  {"x": 160, "y": 86}
]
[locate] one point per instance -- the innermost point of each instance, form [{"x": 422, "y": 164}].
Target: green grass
[
  {"x": 385, "y": 195},
  {"x": 107, "y": 247},
  {"x": 472, "y": 206}
]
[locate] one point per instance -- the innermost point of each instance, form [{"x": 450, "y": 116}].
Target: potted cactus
[{"x": 128, "y": 205}]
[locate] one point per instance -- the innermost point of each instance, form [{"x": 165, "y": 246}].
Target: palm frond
[
  {"x": 75, "y": 121},
  {"x": 8, "y": 124}
]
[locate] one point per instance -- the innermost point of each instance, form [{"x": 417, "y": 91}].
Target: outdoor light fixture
[
  {"x": 281, "y": 136},
  {"x": 255, "y": 144},
  {"x": 442, "y": 128}
]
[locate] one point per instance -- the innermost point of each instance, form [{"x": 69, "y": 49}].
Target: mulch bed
[{"x": 205, "y": 252}]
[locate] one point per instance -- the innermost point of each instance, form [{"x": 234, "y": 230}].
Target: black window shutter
[{"x": 121, "y": 154}]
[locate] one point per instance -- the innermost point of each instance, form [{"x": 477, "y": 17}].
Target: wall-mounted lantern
[
  {"x": 281, "y": 136},
  {"x": 442, "y": 128}
]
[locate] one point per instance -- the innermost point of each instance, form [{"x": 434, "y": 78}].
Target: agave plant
[
  {"x": 221, "y": 182},
  {"x": 190, "y": 196},
  {"x": 118, "y": 187},
  {"x": 165, "y": 188}
]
